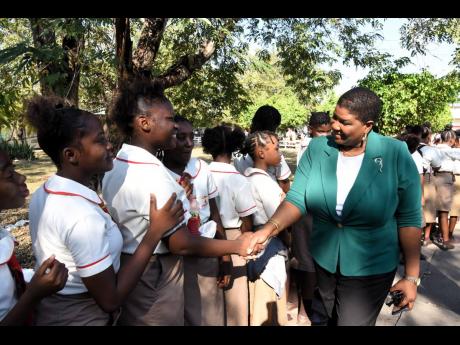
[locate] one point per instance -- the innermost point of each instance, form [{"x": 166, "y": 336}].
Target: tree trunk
[
  {"x": 67, "y": 70},
  {"x": 43, "y": 37},
  {"x": 149, "y": 43},
  {"x": 124, "y": 49},
  {"x": 73, "y": 47}
]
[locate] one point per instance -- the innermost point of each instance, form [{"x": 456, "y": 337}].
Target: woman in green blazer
[{"x": 364, "y": 193}]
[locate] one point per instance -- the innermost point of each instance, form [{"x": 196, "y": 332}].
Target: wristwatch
[{"x": 415, "y": 280}]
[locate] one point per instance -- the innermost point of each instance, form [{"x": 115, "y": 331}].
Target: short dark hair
[
  {"x": 363, "y": 103},
  {"x": 222, "y": 140},
  {"x": 426, "y": 131},
  {"x": 266, "y": 118},
  {"x": 131, "y": 100},
  {"x": 58, "y": 124},
  {"x": 179, "y": 118},
  {"x": 319, "y": 118},
  {"x": 412, "y": 141}
]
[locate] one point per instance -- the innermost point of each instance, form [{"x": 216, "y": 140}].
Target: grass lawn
[{"x": 40, "y": 170}]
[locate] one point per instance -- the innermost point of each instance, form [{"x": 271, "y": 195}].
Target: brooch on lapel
[{"x": 379, "y": 162}]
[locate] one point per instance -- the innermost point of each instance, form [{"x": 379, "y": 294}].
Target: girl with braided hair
[{"x": 268, "y": 276}]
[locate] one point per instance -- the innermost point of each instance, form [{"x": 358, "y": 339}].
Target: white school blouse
[
  {"x": 126, "y": 189},
  {"x": 204, "y": 187},
  {"x": 431, "y": 157},
  {"x": 7, "y": 285},
  {"x": 418, "y": 160},
  {"x": 235, "y": 198},
  {"x": 280, "y": 172},
  {"x": 267, "y": 194},
  {"x": 66, "y": 220}
]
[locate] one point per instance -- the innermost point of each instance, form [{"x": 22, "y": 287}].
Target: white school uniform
[
  {"x": 204, "y": 186},
  {"x": 431, "y": 157},
  {"x": 126, "y": 189},
  {"x": 66, "y": 220},
  {"x": 418, "y": 160},
  {"x": 204, "y": 300},
  {"x": 266, "y": 192},
  {"x": 235, "y": 199},
  {"x": 303, "y": 146},
  {"x": 262, "y": 296},
  {"x": 278, "y": 173},
  {"x": 158, "y": 297},
  {"x": 7, "y": 284}
]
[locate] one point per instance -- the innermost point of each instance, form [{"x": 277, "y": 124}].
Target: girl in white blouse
[
  {"x": 69, "y": 220},
  {"x": 236, "y": 205},
  {"x": 17, "y": 300}
]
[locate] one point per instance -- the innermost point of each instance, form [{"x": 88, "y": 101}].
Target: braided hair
[
  {"x": 255, "y": 140},
  {"x": 58, "y": 124},
  {"x": 222, "y": 140}
]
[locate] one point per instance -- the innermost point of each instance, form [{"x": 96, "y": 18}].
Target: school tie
[
  {"x": 104, "y": 207},
  {"x": 16, "y": 272},
  {"x": 20, "y": 283}
]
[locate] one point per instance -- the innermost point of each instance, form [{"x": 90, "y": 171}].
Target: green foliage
[
  {"x": 328, "y": 104},
  {"x": 265, "y": 84},
  {"x": 410, "y": 99},
  {"x": 418, "y": 32},
  {"x": 18, "y": 150},
  {"x": 300, "y": 48}
]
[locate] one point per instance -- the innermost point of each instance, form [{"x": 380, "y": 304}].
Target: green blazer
[{"x": 385, "y": 196}]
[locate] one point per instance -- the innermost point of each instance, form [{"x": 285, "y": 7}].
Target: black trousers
[{"x": 352, "y": 301}]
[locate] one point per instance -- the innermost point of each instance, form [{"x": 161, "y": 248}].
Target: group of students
[
  {"x": 438, "y": 163},
  {"x": 118, "y": 259},
  {"x": 171, "y": 240}
]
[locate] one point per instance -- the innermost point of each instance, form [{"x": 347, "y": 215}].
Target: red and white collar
[
  {"x": 193, "y": 168},
  {"x": 136, "y": 155},
  {"x": 59, "y": 185},
  {"x": 225, "y": 168},
  {"x": 255, "y": 171}
]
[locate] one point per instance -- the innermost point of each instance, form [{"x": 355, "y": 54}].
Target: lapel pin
[{"x": 379, "y": 162}]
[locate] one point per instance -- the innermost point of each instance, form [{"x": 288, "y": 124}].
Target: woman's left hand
[{"x": 409, "y": 289}]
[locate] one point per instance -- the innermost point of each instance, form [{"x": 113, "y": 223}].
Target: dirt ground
[{"x": 39, "y": 171}]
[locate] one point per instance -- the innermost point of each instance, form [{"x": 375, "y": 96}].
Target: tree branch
[
  {"x": 186, "y": 65},
  {"x": 149, "y": 43}
]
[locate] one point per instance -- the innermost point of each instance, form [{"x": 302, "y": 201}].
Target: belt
[
  {"x": 232, "y": 228},
  {"x": 443, "y": 172}
]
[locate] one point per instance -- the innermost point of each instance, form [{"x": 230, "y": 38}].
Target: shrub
[{"x": 18, "y": 150}]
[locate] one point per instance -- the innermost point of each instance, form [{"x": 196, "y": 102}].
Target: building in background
[{"x": 455, "y": 111}]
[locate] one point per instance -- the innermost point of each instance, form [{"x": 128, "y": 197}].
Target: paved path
[{"x": 438, "y": 300}]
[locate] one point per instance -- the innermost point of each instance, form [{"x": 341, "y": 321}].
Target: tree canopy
[
  {"x": 201, "y": 62},
  {"x": 412, "y": 99}
]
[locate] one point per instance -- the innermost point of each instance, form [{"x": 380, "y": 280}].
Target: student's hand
[
  {"x": 185, "y": 182},
  {"x": 225, "y": 271},
  {"x": 409, "y": 290},
  {"x": 45, "y": 283},
  {"x": 247, "y": 250},
  {"x": 165, "y": 218},
  {"x": 259, "y": 240}
]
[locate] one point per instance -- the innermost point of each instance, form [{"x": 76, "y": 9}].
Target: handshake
[{"x": 252, "y": 243}]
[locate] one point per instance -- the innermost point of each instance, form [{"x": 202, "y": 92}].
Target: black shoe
[{"x": 442, "y": 245}]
